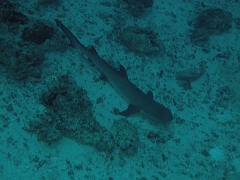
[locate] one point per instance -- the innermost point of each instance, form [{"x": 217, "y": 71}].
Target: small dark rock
[
  {"x": 70, "y": 172},
  {"x": 205, "y": 50},
  {"x": 99, "y": 100},
  {"x": 205, "y": 153},
  {"x": 36, "y": 158},
  {"x": 180, "y": 120},
  {"x": 41, "y": 163},
  {"x": 152, "y": 135},
  {"x": 164, "y": 175},
  {"x": 78, "y": 166},
  {"x": 10, "y": 108}
]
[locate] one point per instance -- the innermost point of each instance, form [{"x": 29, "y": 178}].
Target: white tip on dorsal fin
[
  {"x": 150, "y": 94},
  {"x": 122, "y": 71}
]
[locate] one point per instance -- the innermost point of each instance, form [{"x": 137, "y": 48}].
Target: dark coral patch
[{"x": 38, "y": 34}]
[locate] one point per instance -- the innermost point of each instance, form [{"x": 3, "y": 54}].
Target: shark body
[{"x": 137, "y": 99}]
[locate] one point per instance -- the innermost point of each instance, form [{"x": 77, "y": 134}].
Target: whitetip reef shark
[{"x": 137, "y": 99}]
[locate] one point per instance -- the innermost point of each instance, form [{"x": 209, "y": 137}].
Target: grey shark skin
[{"x": 138, "y": 100}]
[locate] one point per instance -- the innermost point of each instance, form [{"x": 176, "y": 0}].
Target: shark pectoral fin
[
  {"x": 122, "y": 72},
  {"x": 150, "y": 94},
  {"x": 103, "y": 77},
  {"x": 129, "y": 111}
]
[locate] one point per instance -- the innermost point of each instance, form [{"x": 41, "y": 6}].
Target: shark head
[{"x": 157, "y": 113}]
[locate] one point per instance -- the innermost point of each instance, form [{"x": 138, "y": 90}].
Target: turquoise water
[{"x": 58, "y": 120}]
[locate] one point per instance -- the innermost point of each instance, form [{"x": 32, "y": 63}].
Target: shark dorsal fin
[
  {"x": 93, "y": 50},
  {"x": 150, "y": 94},
  {"x": 103, "y": 77},
  {"x": 122, "y": 71}
]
